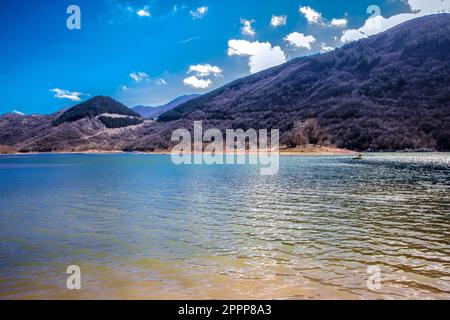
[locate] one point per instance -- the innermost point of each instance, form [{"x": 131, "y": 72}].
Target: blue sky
[{"x": 149, "y": 52}]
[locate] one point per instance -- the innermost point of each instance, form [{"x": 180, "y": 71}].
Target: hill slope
[
  {"x": 389, "y": 91},
  {"x": 100, "y": 123},
  {"x": 95, "y": 107},
  {"x": 16, "y": 128}
]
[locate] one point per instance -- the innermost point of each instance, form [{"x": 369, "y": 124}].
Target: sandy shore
[
  {"x": 305, "y": 151},
  {"x": 316, "y": 150}
]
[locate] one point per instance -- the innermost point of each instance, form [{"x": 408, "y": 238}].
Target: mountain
[
  {"x": 95, "y": 107},
  {"x": 100, "y": 123},
  {"x": 387, "y": 92},
  {"x": 144, "y": 111},
  {"x": 155, "y": 112}
]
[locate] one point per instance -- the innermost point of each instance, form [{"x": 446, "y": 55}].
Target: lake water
[{"x": 140, "y": 227}]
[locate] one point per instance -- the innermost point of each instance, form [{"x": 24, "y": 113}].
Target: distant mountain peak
[{"x": 155, "y": 112}]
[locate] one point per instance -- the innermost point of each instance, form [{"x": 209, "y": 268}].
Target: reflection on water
[{"x": 140, "y": 227}]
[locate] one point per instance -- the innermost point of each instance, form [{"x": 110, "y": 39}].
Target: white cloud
[
  {"x": 299, "y": 40},
  {"x": 340, "y": 23},
  {"x": 315, "y": 17},
  {"x": 124, "y": 88},
  {"x": 278, "y": 21},
  {"x": 311, "y": 15},
  {"x": 324, "y": 48},
  {"x": 204, "y": 70},
  {"x": 189, "y": 40},
  {"x": 353, "y": 35},
  {"x": 161, "y": 82},
  {"x": 139, "y": 76},
  {"x": 20, "y": 113},
  {"x": 197, "y": 83},
  {"x": 199, "y": 12},
  {"x": 430, "y": 6},
  {"x": 144, "y": 12},
  {"x": 261, "y": 54},
  {"x": 378, "y": 24},
  {"x": 66, "y": 94},
  {"x": 247, "y": 28},
  {"x": 201, "y": 71}
]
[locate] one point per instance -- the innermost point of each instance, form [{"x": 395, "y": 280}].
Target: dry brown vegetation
[
  {"x": 6, "y": 150},
  {"x": 307, "y": 132}
]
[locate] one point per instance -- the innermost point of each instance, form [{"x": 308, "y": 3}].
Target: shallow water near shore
[{"x": 140, "y": 227}]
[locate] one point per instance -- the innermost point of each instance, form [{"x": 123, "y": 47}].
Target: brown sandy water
[{"x": 141, "y": 228}]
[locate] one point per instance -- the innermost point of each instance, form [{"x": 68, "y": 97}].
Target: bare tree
[
  {"x": 289, "y": 139},
  {"x": 304, "y": 133}
]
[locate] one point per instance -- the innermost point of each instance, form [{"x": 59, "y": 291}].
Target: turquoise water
[{"x": 140, "y": 227}]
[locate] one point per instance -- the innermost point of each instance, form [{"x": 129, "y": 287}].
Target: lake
[{"x": 140, "y": 227}]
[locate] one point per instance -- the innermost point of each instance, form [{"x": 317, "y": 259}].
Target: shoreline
[
  {"x": 282, "y": 152},
  {"x": 304, "y": 151}
]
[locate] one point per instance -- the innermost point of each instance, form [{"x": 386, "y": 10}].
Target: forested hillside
[{"x": 388, "y": 92}]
